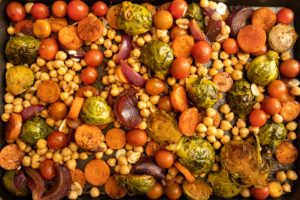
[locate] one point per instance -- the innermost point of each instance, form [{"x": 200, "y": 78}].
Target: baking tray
[{"x": 4, "y": 22}]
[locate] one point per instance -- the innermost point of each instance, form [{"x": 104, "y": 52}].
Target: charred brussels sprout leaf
[
  {"x": 19, "y": 79},
  {"x": 95, "y": 111},
  {"x": 240, "y": 98},
  {"x": 243, "y": 160},
  {"x": 22, "y": 50},
  {"x": 264, "y": 69},
  {"x": 195, "y": 154},
  {"x": 16, "y": 183},
  {"x": 34, "y": 129},
  {"x": 134, "y": 19},
  {"x": 136, "y": 184},
  {"x": 195, "y": 12},
  {"x": 203, "y": 93},
  {"x": 272, "y": 134},
  {"x": 198, "y": 190},
  {"x": 162, "y": 128},
  {"x": 224, "y": 185},
  {"x": 158, "y": 56}
]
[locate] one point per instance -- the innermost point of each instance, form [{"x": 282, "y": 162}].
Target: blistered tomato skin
[
  {"x": 39, "y": 11},
  {"x": 285, "y": 16},
  {"x": 15, "y": 11},
  {"x": 100, "y": 8},
  {"x": 89, "y": 75},
  {"x": 77, "y": 10},
  {"x": 48, "y": 49},
  {"x": 178, "y": 8},
  {"x": 202, "y": 52}
]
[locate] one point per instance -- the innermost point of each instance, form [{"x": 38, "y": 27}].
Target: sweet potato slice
[
  {"x": 48, "y": 91},
  {"x": 11, "y": 157},
  {"x": 264, "y": 17},
  {"x": 13, "y": 128},
  {"x": 68, "y": 37},
  {"x": 251, "y": 39},
  {"x": 90, "y": 29}
]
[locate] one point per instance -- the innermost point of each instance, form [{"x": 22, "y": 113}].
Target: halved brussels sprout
[
  {"x": 15, "y": 182},
  {"x": 198, "y": 190},
  {"x": 272, "y": 134},
  {"x": 194, "y": 11}
]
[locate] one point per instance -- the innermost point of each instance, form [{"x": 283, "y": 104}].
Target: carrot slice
[
  {"x": 187, "y": 174},
  {"x": 78, "y": 176},
  {"x": 48, "y": 91},
  {"x": 11, "y": 157},
  {"x": 57, "y": 23},
  {"x": 88, "y": 137},
  {"x": 113, "y": 189},
  {"x": 223, "y": 81},
  {"x": 290, "y": 110},
  {"x": 182, "y": 46},
  {"x": 264, "y": 17},
  {"x": 112, "y": 15},
  {"x": 151, "y": 148},
  {"x": 179, "y": 99},
  {"x": 188, "y": 121},
  {"x": 68, "y": 37},
  {"x": 75, "y": 108},
  {"x": 96, "y": 172},
  {"x": 286, "y": 153},
  {"x": 90, "y": 28},
  {"x": 115, "y": 138},
  {"x": 13, "y": 128},
  {"x": 120, "y": 75}
]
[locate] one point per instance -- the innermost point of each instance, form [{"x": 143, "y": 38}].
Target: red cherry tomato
[
  {"x": 39, "y": 11},
  {"x": 15, "y": 11},
  {"x": 57, "y": 140},
  {"x": 48, "y": 49},
  {"x": 99, "y": 8},
  {"x": 59, "y": 8},
  {"x": 290, "y": 68},
  {"x": 277, "y": 88},
  {"x": 258, "y": 118},
  {"x": 202, "y": 52},
  {"x": 260, "y": 193},
  {"x": 271, "y": 105},
  {"x": 89, "y": 75},
  {"x": 47, "y": 169},
  {"x": 231, "y": 46},
  {"x": 180, "y": 68},
  {"x": 178, "y": 8},
  {"x": 93, "y": 58},
  {"x": 285, "y": 16},
  {"x": 77, "y": 10}
]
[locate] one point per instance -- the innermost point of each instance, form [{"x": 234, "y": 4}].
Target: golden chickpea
[{"x": 275, "y": 189}]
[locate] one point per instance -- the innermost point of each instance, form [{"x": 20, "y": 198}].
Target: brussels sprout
[
  {"x": 158, "y": 56},
  {"x": 34, "y": 129},
  {"x": 264, "y": 69},
  {"x": 195, "y": 12},
  {"x": 134, "y": 19},
  {"x": 162, "y": 127},
  {"x": 19, "y": 79},
  {"x": 203, "y": 93},
  {"x": 240, "y": 98},
  {"x": 243, "y": 160},
  {"x": 198, "y": 190},
  {"x": 16, "y": 183},
  {"x": 136, "y": 183},
  {"x": 272, "y": 134},
  {"x": 95, "y": 111},
  {"x": 224, "y": 185},
  {"x": 22, "y": 50},
  {"x": 196, "y": 154}
]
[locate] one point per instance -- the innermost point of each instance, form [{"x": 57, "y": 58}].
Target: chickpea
[
  {"x": 245, "y": 193},
  {"x": 281, "y": 176},
  {"x": 41, "y": 144},
  {"x": 94, "y": 192},
  {"x": 286, "y": 187},
  {"x": 291, "y": 175},
  {"x": 275, "y": 189},
  {"x": 124, "y": 170}
]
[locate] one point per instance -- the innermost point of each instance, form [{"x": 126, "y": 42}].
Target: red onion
[
  {"x": 239, "y": 19},
  {"x": 36, "y": 183},
  {"x": 124, "y": 49},
  {"x": 74, "y": 123},
  {"x": 214, "y": 28},
  {"x": 31, "y": 111},
  {"x": 146, "y": 166},
  {"x": 125, "y": 110},
  {"x": 132, "y": 76},
  {"x": 197, "y": 33}
]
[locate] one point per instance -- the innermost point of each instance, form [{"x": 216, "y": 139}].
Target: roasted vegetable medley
[{"x": 180, "y": 99}]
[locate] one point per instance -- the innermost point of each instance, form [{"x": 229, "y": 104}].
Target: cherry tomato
[
  {"x": 48, "y": 49},
  {"x": 176, "y": 32},
  {"x": 163, "y": 20},
  {"x": 155, "y": 86},
  {"x": 277, "y": 88},
  {"x": 59, "y": 8},
  {"x": 165, "y": 103},
  {"x": 57, "y": 140},
  {"x": 93, "y": 58},
  {"x": 231, "y": 46},
  {"x": 47, "y": 169},
  {"x": 180, "y": 68},
  {"x": 155, "y": 192},
  {"x": 258, "y": 118},
  {"x": 285, "y": 16},
  {"x": 173, "y": 191},
  {"x": 58, "y": 110},
  {"x": 178, "y": 8},
  {"x": 25, "y": 27},
  {"x": 39, "y": 11},
  {"x": 260, "y": 193},
  {"x": 89, "y": 75},
  {"x": 202, "y": 52},
  {"x": 136, "y": 137},
  {"x": 164, "y": 159},
  {"x": 271, "y": 105},
  {"x": 77, "y": 10},
  {"x": 290, "y": 68},
  {"x": 100, "y": 8},
  {"x": 15, "y": 11}
]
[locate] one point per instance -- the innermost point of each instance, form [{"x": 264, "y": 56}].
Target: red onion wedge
[
  {"x": 35, "y": 182},
  {"x": 214, "y": 28},
  {"x": 31, "y": 111},
  {"x": 239, "y": 19},
  {"x": 196, "y": 31},
  {"x": 124, "y": 49},
  {"x": 132, "y": 76},
  {"x": 146, "y": 166}
]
